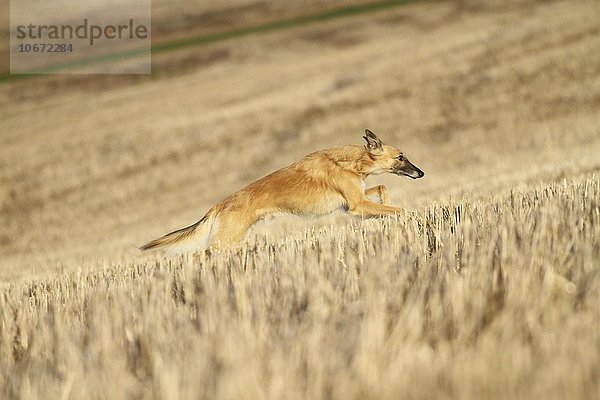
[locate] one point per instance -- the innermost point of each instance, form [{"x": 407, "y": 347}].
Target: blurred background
[{"x": 484, "y": 96}]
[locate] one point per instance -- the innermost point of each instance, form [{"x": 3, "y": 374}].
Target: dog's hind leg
[{"x": 231, "y": 228}]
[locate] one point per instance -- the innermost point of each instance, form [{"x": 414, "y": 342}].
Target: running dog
[{"x": 317, "y": 185}]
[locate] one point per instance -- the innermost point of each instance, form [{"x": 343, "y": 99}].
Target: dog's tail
[{"x": 192, "y": 238}]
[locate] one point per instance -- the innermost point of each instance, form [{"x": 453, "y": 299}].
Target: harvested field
[{"x": 487, "y": 288}]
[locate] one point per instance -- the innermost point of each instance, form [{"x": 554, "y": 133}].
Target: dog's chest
[
  {"x": 317, "y": 204},
  {"x": 330, "y": 202}
]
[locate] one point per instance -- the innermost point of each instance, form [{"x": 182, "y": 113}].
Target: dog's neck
[{"x": 361, "y": 165}]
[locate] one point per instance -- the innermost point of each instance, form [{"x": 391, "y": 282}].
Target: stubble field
[{"x": 487, "y": 288}]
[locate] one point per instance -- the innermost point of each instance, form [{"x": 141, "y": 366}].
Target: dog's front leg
[
  {"x": 358, "y": 204},
  {"x": 379, "y": 192},
  {"x": 368, "y": 209}
]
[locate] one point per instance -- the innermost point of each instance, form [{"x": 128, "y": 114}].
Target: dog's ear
[{"x": 374, "y": 144}]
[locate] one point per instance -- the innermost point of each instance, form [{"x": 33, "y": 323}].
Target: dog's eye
[{"x": 401, "y": 157}]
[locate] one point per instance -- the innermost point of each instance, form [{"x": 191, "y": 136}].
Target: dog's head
[{"x": 389, "y": 158}]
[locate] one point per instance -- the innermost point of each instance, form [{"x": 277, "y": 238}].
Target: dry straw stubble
[{"x": 484, "y": 299}]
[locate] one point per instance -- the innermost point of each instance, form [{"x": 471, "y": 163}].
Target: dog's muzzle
[{"x": 410, "y": 170}]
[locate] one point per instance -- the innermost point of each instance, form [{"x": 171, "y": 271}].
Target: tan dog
[{"x": 317, "y": 185}]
